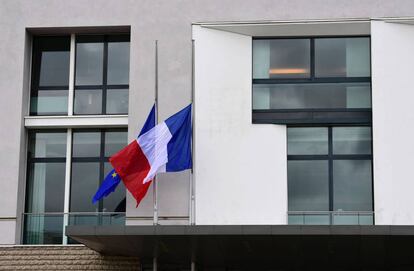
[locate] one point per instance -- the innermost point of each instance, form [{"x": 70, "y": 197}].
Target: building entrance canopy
[{"x": 280, "y": 247}]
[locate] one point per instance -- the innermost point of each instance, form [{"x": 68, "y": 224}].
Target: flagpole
[
  {"x": 192, "y": 180},
  {"x": 154, "y": 186}
]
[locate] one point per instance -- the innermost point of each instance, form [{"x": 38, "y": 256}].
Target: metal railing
[
  {"x": 48, "y": 228},
  {"x": 330, "y": 217}
]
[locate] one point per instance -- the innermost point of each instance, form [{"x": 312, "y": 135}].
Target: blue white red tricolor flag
[
  {"x": 112, "y": 179},
  {"x": 164, "y": 148}
]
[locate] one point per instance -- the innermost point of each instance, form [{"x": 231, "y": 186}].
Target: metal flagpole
[
  {"x": 154, "y": 186},
  {"x": 192, "y": 181}
]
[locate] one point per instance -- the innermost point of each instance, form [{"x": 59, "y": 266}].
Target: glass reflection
[
  {"x": 312, "y": 96},
  {"x": 281, "y": 58},
  {"x": 88, "y": 101},
  {"x": 47, "y": 144},
  {"x": 49, "y": 102},
  {"x": 115, "y": 141},
  {"x": 352, "y": 185},
  {"x": 86, "y": 144},
  {"x": 303, "y": 141},
  {"x": 342, "y": 57},
  {"x": 351, "y": 140},
  {"x": 54, "y": 68},
  {"x": 117, "y": 101},
  {"x": 85, "y": 180},
  {"x": 89, "y": 63},
  {"x": 308, "y": 186},
  {"x": 118, "y": 63}
]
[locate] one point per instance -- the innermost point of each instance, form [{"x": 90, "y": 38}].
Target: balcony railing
[
  {"x": 330, "y": 218},
  {"x": 48, "y": 228}
]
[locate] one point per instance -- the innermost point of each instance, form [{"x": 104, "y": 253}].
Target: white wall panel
[
  {"x": 240, "y": 168},
  {"x": 393, "y": 122}
]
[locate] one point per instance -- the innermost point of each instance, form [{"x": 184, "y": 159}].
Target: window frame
[
  {"x": 330, "y": 158},
  {"x": 342, "y": 116},
  {"x": 105, "y": 39},
  {"x": 101, "y": 159},
  {"x": 35, "y": 76}
]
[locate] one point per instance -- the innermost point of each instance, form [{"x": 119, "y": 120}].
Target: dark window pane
[
  {"x": 43, "y": 229},
  {"x": 86, "y": 144},
  {"x": 49, "y": 102},
  {"x": 352, "y": 185},
  {"x": 117, "y": 101},
  {"x": 51, "y": 61},
  {"x": 312, "y": 96},
  {"x": 342, "y": 57},
  {"x": 88, "y": 101},
  {"x": 281, "y": 58},
  {"x": 54, "y": 70},
  {"x": 43, "y": 144},
  {"x": 85, "y": 182},
  {"x": 89, "y": 63},
  {"x": 351, "y": 140},
  {"x": 116, "y": 201},
  {"x": 308, "y": 186},
  {"x": 46, "y": 186},
  {"x": 118, "y": 63},
  {"x": 307, "y": 141},
  {"x": 115, "y": 141}
]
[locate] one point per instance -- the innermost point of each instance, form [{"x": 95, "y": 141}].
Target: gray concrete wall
[{"x": 167, "y": 21}]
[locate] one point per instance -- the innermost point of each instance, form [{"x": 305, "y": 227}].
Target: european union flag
[{"x": 108, "y": 186}]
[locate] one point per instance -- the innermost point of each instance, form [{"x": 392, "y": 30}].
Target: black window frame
[
  {"x": 343, "y": 116},
  {"x": 330, "y": 158},
  {"x": 35, "y": 75},
  {"x": 105, "y": 39}
]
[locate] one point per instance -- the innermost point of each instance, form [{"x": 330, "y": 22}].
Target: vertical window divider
[
  {"x": 330, "y": 161},
  {"x": 312, "y": 59},
  {"x": 67, "y": 183},
  {"x": 105, "y": 75},
  {"x": 71, "y": 91}
]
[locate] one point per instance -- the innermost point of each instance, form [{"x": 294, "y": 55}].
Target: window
[
  {"x": 330, "y": 175},
  {"x": 101, "y": 71},
  {"x": 312, "y": 80},
  {"x": 45, "y": 192},
  {"x": 45, "y": 187},
  {"x": 102, "y": 75},
  {"x": 74, "y": 75},
  {"x": 50, "y": 76}
]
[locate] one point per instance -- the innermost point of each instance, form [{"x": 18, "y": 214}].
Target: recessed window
[
  {"x": 312, "y": 80},
  {"x": 101, "y": 75},
  {"x": 47, "y": 176},
  {"x": 330, "y": 175},
  {"x": 50, "y": 76}
]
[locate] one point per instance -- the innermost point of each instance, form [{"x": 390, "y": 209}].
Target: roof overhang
[{"x": 283, "y": 245}]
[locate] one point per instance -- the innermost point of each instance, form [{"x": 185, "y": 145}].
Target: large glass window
[
  {"x": 45, "y": 190},
  {"x": 328, "y": 77},
  {"x": 101, "y": 75},
  {"x": 330, "y": 175},
  {"x": 50, "y": 76},
  {"x": 45, "y": 187}
]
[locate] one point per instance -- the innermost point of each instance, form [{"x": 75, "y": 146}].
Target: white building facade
[{"x": 301, "y": 113}]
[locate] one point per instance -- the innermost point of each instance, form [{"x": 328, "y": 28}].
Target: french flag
[{"x": 164, "y": 148}]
